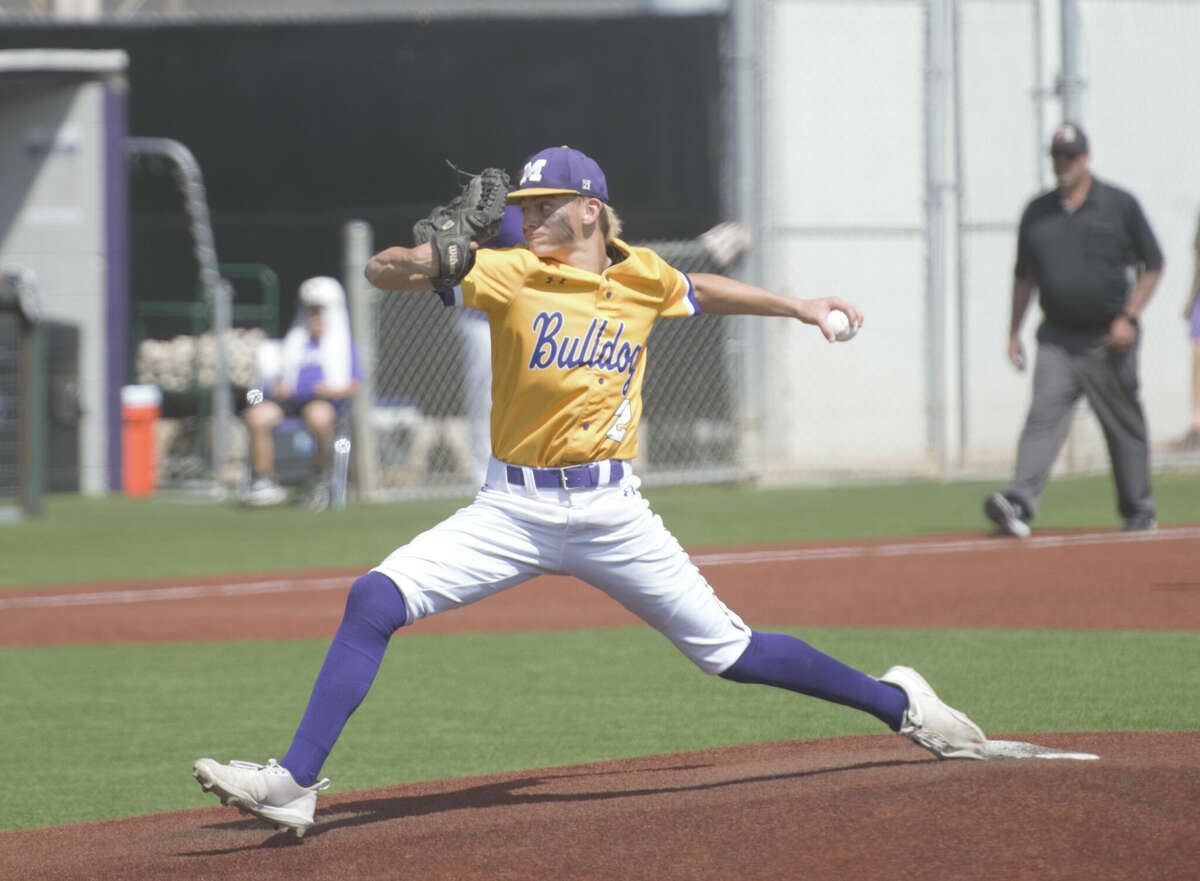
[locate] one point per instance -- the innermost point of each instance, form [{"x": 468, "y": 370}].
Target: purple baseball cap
[{"x": 561, "y": 170}]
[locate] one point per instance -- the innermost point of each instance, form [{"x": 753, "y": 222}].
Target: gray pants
[{"x": 1068, "y": 365}]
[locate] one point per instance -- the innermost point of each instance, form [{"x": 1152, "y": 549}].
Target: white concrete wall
[
  {"x": 1143, "y": 89},
  {"x": 844, "y": 147},
  {"x": 842, "y": 132},
  {"x": 1004, "y": 164},
  {"x": 52, "y": 222}
]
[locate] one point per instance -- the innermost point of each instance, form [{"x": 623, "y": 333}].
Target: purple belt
[{"x": 571, "y": 477}]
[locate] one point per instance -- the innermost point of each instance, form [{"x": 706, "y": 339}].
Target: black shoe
[
  {"x": 1006, "y": 514},
  {"x": 1141, "y": 523}
]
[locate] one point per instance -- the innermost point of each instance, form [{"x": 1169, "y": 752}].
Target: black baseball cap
[{"x": 1068, "y": 140}]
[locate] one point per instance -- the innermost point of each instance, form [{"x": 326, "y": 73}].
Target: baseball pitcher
[{"x": 569, "y": 314}]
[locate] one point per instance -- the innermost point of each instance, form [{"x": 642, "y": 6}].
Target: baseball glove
[{"x": 473, "y": 215}]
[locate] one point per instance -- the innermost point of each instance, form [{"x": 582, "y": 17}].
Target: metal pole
[
  {"x": 935, "y": 217},
  {"x": 1039, "y": 95},
  {"x": 1071, "y": 87},
  {"x": 1072, "y": 82},
  {"x": 960, "y": 219},
  {"x": 747, "y": 344},
  {"x": 357, "y": 237}
]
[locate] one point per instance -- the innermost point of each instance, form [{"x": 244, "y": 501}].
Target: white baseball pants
[{"x": 606, "y": 536}]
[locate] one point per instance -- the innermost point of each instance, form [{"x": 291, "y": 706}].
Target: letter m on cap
[{"x": 533, "y": 171}]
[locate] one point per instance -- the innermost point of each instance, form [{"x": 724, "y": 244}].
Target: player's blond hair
[
  {"x": 610, "y": 224},
  {"x": 609, "y": 220}
]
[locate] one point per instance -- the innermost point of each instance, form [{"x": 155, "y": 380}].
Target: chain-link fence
[
  {"x": 10, "y": 405},
  {"x": 431, "y": 388},
  {"x": 22, "y": 411}
]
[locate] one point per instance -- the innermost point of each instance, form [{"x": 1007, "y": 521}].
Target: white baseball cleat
[
  {"x": 932, "y": 724},
  {"x": 263, "y": 493},
  {"x": 268, "y": 791}
]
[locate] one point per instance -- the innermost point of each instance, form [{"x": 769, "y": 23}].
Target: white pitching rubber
[{"x": 1019, "y": 749}]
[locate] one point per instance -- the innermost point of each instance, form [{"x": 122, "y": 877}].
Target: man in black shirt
[{"x": 1087, "y": 248}]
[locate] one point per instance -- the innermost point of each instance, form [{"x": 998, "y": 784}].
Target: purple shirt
[{"x": 311, "y": 372}]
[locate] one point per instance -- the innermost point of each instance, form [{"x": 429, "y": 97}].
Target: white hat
[{"x": 322, "y": 291}]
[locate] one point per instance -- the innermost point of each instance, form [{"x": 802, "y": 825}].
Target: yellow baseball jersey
[{"x": 569, "y": 349}]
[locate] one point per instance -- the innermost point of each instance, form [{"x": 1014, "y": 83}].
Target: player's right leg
[
  {"x": 285, "y": 793},
  {"x": 476, "y": 552},
  {"x": 264, "y": 489},
  {"x": 1056, "y": 391}
]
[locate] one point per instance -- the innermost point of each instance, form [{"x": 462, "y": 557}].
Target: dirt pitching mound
[{"x": 847, "y": 808}]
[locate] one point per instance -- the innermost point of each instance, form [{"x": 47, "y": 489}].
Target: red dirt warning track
[{"x": 849, "y": 808}]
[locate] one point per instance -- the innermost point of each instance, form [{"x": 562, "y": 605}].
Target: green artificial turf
[
  {"x": 116, "y": 538},
  {"x": 94, "y": 732}
]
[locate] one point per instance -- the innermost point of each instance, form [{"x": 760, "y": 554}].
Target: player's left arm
[
  {"x": 444, "y": 243},
  {"x": 721, "y": 295},
  {"x": 1143, "y": 290},
  {"x": 1123, "y": 330},
  {"x": 403, "y": 269}
]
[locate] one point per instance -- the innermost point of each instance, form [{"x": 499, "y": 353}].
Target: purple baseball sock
[
  {"x": 786, "y": 662},
  {"x": 374, "y": 611}
]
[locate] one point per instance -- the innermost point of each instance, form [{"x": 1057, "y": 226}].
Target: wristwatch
[{"x": 1131, "y": 318}]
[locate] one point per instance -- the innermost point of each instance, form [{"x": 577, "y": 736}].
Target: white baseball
[{"x": 842, "y": 328}]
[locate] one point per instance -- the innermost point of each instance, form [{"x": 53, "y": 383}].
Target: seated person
[{"x": 311, "y": 373}]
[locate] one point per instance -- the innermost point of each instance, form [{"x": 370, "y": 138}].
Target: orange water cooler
[{"x": 141, "y": 405}]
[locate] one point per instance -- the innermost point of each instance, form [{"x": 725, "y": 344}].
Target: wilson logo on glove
[{"x": 473, "y": 215}]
